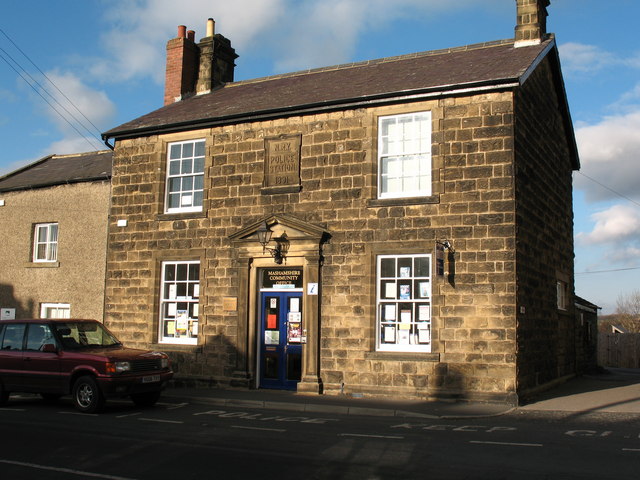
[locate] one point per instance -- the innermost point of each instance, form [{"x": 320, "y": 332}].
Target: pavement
[{"x": 612, "y": 390}]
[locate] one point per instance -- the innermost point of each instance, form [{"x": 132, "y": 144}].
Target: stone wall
[
  {"x": 547, "y": 336},
  {"x": 474, "y": 323}
]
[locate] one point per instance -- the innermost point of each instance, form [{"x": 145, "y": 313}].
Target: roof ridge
[
  {"x": 365, "y": 63},
  {"x": 81, "y": 154}
]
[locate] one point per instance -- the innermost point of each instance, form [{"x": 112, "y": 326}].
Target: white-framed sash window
[
  {"x": 185, "y": 176},
  {"x": 45, "y": 242},
  {"x": 179, "y": 305},
  {"x": 55, "y": 310},
  {"x": 403, "y": 303},
  {"x": 404, "y": 155}
]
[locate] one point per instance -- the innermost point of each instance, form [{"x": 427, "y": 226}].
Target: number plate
[{"x": 151, "y": 379}]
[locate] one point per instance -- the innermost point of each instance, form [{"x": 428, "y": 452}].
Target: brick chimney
[
  {"x": 182, "y": 66},
  {"x": 197, "y": 68},
  {"x": 531, "y": 25}
]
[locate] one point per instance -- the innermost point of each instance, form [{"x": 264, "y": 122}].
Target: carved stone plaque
[{"x": 282, "y": 163}]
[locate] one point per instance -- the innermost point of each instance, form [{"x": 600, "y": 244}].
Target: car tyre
[
  {"x": 4, "y": 395},
  {"x": 147, "y": 399},
  {"x": 87, "y": 396}
]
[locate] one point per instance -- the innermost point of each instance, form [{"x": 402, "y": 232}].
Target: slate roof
[
  {"x": 482, "y": 66},
  {"x": 59, "y": 170}
]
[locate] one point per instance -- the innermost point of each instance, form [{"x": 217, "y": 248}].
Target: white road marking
[
  {"x": 65, "y": 470},
  {"x": 129, "y": 415},
  {"x": 157, "y": 420},
  {"x": 393, "y": 437},
  {"x": 257, "y": 428},
  {"x": 512, "y": 444}
]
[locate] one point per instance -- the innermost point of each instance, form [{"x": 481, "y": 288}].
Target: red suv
[{"x": 81, "y": 357}]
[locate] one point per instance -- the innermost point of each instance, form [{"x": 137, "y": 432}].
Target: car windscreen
[{"x": 85, "y": 334}]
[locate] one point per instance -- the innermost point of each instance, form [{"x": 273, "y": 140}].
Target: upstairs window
[
  {"x": 185, "y": 177},
  {"x": 404, "y": 155},
  {"x": 45, "y": 242}
]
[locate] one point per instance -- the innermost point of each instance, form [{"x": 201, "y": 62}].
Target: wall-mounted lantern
[{"x": 282, "y": 243}]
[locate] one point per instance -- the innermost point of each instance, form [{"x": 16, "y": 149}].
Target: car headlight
[
  {"x": 118, "y": 367},
  {"x": 164, "y": 363}
]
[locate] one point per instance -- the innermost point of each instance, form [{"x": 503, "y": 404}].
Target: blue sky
[{"x": 107, "y": 56}]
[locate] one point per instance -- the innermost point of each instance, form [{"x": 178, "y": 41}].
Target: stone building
[
  {"x": 53, "y": 215},
  {"x": 397, "y": 227}
]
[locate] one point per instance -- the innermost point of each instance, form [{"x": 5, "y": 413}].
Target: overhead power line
[
  {"x": 23, "y": 73},
  {"x": 608, "y": 271},
  {"x": 610, "y": 189}
]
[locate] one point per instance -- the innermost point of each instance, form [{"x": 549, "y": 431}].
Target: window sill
[
  {"x": 394, "y": 202},
  {"x": 42, "y": 265},
  {"x": 179, "y": 216},
  {"x": 176, "y": 347},
  {"x": 403, "y": 356}
]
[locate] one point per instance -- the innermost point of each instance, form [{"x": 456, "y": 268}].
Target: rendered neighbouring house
[
  {"x": 53, "y": 215},
  {"x": 397, "y": 227}
]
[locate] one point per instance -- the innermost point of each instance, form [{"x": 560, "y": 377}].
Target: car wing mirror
[{"x": 49, "y": 348}]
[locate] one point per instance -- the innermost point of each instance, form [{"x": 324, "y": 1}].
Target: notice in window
[
  {"x": 389, "y": 334},
  {"x": 389, "y": 312},
  {"x": 390, "y": 290},
  {"x": 272, "y": 321},
  {"x": 405, "y": 292},
  {"x": 272, "y": 337},
  {"x": 295, "y": 305}
]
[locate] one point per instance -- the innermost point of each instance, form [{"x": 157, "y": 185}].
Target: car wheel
[
  {"x": 87, "y": 396},
  {"x": 146, "y": 399},
  {"x": 4, "y": 395}
]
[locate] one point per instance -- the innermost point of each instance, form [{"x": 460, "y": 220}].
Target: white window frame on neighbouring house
[
  {"x": 562, "y": 295},
  {"x": 403, "y": 304},
  {"x": 55, "y": 310},
  {"x": 179, "y": 302},
  {"x": 45, "y": 242},
  {"x": 185, "y": 176},
  {"x": 404, "y": 155}
]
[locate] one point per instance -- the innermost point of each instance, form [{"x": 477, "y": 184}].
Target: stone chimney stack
[
  {"x": 531, "y": 25},
  {"x": 217, "y": 60},
  {"x": 197, "y": 68}
]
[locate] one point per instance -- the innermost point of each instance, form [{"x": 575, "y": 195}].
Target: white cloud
[
  {"x": 134, "y": 44},
  {"x": 294, "y": 34},
  {"x": 610, "y": 154},
  {"x": 617, "y": 225},
  {"x": 581, "y": 58},
  {"x": 79, "y": 133}
]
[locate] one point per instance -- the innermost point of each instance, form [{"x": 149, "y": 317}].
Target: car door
[
  {"x": 41, "y": 370},
  {"x": 11, "y": 344}
]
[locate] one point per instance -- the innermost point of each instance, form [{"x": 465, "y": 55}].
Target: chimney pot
[
  {"x": 182, "y": 31},
  {"x": 211, "y": 27},
  {"x": 191, "y": 35}
]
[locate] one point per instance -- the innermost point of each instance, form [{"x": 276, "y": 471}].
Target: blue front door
[{"x": 281, "y": 334}]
